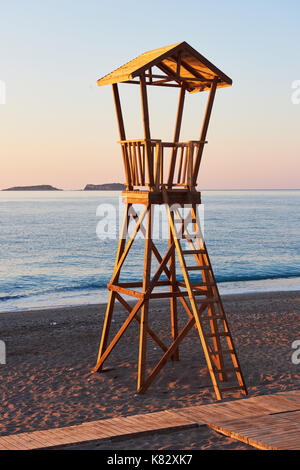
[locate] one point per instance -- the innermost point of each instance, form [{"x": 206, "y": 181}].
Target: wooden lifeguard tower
[{"x": 166, "y": 173}]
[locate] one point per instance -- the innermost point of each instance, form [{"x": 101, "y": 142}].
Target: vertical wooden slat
[
  {"x": 209, "y": 106},
  {"x": 162, "y": 164},
  {"x": 126, "y": 166},
  {"x": 157, "y": 164},
  {"x": 185, "y": 160},
  {"x": 145, "y": 111},
  {"x": 180, "y": 165},
  {"x": 144, "y": 162},
  {"x": 130, "y": 162},
  {"x": 137, "y": 181},
  {"x": 189, "y": 179},
  {"x": 142, "y": 179}
]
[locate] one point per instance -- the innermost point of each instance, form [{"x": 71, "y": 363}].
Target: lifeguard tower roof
[{"x": 179, "y": 62}]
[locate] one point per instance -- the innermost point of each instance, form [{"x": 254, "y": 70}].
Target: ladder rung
[
  {"x": 228, "y": 389},
  {"x": 215, "y": 335},
  {"x": 193, "y": 252},
  {"x": 198, "y": 268},
  {"x": 224, "y": 351}
]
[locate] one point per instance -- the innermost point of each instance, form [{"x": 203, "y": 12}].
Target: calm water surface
[{"x": 51, "y": 255}]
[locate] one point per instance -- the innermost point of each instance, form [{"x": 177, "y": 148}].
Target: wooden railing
[{"x": 158, "y": 164}]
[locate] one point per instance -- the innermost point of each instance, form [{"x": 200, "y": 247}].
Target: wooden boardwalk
[{"x": 265, "y": 422}]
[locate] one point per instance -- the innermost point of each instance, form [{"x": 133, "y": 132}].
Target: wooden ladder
[{"x": 205, "y": 302}]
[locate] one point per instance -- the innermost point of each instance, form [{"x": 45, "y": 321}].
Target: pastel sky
[{"x": 57, "y": 127}]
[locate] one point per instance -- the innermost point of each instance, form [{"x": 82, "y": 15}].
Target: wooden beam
[
  {"x": 145, "y": 308},
  {"x": 112, "y": 295},
  {"x": 125, "y": 291},
  {"x": 121, "y": 132},
  {"x": 191, "y": 69},
  {"x": 171, "y": 85},
  {"x": 173, "y": 299},
  {"x": 167, "y": 71},
  {"x": 179, "y": 115},
  {"x": 176, "y": 135},
  {"x": 118, "y": 335},
  {"x": 137, "y": 318},
  {"x": 153, "y": 247},
  {"x": 178, "y": 63},
  {"x": 209, "y": 106},
  {"x": 119, "y": 112},
  {"x": 168, "y": 353},
  {"x": 145, "y": 112},
  {"x": 128, "y": 246}
]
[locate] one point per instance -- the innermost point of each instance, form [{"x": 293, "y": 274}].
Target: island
[
  {"x": 105, "y": 187},
  {"x": 40, "y": 187}
]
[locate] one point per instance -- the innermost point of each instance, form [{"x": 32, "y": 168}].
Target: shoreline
[{"x": 244, "y": 296}]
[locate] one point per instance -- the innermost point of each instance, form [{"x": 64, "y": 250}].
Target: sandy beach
[{"x": 45, "y": 383}]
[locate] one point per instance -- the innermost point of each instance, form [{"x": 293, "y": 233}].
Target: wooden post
[
  {"x": 145, "y": 308},
  {"x": 112, "y": 295},
  {"x": 122, "y": 133},
  {"x": 176, "y": 135},
  {"x": 173, "y": 300},
  {"x": 210, "y": 103},
  {"x": 145, "y": 111},
  {"x": 119, "y": 112}
]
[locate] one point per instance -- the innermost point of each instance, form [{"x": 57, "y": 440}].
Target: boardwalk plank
[{"x": 265, "y": 422}]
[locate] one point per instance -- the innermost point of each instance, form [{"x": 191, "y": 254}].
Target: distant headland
[
  {"x": 105, "y": 187},
  {"x": 40, "y": 187},
  {"x": 88, "y": 187}
]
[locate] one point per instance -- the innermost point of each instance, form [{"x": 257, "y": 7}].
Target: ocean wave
[
  {"x": 4, "y": 298},
  {"x": 255, "y": 277},
  {"x": 70, "y": 288},
  {"x": 93, "y": 285}
]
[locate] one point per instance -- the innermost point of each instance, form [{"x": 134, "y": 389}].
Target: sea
[{"x": 57, "y": 248}]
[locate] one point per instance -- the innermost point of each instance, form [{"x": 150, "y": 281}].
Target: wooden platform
[
  {"x": 265, "y": 422},
  {"x": 175, "y": 196}
]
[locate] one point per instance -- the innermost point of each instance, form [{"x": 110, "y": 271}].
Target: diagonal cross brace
[
  {"x": 134, "y": 311},
  {"x": 137, "y": 318},
  {"x": 170, "y": 351}
]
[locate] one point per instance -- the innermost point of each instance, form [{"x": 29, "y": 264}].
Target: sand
[{"x": 49, "y": 354}]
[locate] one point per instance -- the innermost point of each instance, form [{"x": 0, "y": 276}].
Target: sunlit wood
[{"x": 166, "y": 173}]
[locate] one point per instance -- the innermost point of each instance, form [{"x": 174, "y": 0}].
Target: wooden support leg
[
  {"x": 145, "y": 308},
  {"x": 121, "y": 331},
  {"x": 112, "y": 296},
  {"x": 173, "y": 300},
  {"x": 106, "y": 328}
]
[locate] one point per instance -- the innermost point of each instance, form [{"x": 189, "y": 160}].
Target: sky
[{"x": 58, "y": 127}]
